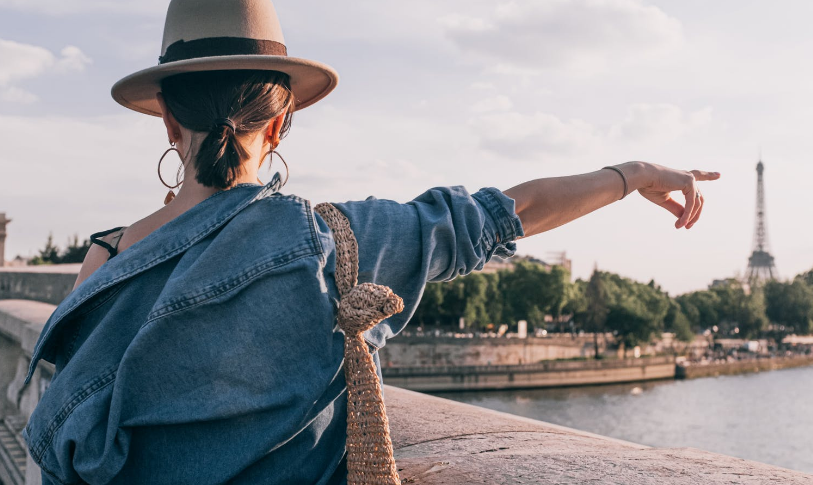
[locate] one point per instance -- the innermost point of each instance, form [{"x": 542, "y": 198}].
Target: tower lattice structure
[{"x": 761, "y": 265}]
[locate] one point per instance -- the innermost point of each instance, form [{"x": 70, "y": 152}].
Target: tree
[
  {"x": 47, "y": 255},
  {"x": 75, "y": 252},
  {"x": 806, "y": 277},
  {"x": 632, "y": 321},
  {"x": 475, "y": 311},
  {"x": 701, "y": 309},
  {"x": 790, "y": 305},
  {"x": 528, "y": 293},
  {"x": 740, "y": 314},
  {"x": 676, "y": 322},
  {"x": 429, "y": 311},
  {"x": 597, "y": 307}
]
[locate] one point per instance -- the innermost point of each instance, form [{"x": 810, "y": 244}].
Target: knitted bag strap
[{"x": 361, "y": 307}]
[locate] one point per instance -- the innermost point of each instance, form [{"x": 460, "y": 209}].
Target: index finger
[{"x": 700, "y": 175}]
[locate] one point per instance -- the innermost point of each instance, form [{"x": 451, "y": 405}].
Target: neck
[{"x": 193, "y": 192}]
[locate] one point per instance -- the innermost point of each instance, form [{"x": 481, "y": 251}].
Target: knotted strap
[{"x": 369, "y": 448}]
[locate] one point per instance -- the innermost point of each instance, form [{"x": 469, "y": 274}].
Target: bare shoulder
[
  {"x": 123, "y": 239},
  {"x": 94, "y": 259}
]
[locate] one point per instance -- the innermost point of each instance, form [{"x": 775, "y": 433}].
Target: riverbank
[
  {"x": 747, "y": 366},
  {"x": 544, "y": 374},
  {"x": 572, "y": 373}
]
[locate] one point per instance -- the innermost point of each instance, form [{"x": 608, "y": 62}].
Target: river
[{"x": 766, "y": 417}]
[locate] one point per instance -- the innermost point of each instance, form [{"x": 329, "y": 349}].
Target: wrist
[{"x": 637, "y": 174}]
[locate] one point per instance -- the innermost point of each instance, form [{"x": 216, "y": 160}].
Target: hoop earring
[
  {"x": 270, "y": 162},
  {"x": 170, "y": 194}
]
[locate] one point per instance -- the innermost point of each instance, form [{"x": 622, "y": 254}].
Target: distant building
[{"x": 3, "y": 222}]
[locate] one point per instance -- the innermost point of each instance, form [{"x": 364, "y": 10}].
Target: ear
[
  {"x": 274, "y": 128},
  {"x": 173, "y": 127}
]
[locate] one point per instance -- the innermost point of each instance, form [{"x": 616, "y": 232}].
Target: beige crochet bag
[{"x": 369, "y": 448}]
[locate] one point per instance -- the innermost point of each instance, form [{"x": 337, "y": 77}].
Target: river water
[{"x": 766, "y": 417}]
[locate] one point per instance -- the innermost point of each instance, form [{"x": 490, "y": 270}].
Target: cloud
[
  {"x": 587, "y": 35},
  {"x": 25, "y": 61},
  {"x": 488, "y": 105},
  {"x": 64, "y": 7},
  {"x": 73, "y": 59},
  {"x": 658, "y": 123},
  {"x": 13, "y": 94},
  {"x": 517, "y": 135},
  {"x": 523, "y": 135}
]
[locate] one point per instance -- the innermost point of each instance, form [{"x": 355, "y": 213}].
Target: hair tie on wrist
[{"x": 224, "y": 122}]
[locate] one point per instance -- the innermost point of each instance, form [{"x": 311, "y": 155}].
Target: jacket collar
[{"x": 171, "y": 239}]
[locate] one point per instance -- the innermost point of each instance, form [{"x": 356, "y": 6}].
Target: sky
[{"x": 450, "y": 92}]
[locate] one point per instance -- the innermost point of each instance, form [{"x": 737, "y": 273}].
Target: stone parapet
[
  {"x": 438, "y": 441},
  {"x": 47, "y": 283},
  {"x": 21, "y": 322}
]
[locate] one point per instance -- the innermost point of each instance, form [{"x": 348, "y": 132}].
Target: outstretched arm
[{"x": 544, "y": 204}]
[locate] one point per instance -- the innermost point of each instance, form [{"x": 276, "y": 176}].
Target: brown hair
[{"x": 250, "y": 99}]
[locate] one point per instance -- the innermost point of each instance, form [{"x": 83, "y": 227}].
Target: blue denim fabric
[{"x": 208, "y": 352}]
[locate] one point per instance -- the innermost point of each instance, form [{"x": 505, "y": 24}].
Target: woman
[{"x": 200, "y": 344}]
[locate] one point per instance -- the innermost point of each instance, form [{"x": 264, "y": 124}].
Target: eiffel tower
[{"x": 761, "y": 267}]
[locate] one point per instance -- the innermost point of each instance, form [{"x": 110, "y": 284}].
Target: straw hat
[{"x": 212, "y": 35}]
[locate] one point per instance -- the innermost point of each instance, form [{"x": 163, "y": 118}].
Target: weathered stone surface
[
  {"x": 407, "y": 351},
  {"x": 542, "y": 374},
  {"x": 23, "y": 320},
  {"x": 438, "y": 441},
  {"x": 47, "y": 283}
]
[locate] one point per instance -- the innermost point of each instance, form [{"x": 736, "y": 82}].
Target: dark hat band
[{"x": 221, "y": 46}]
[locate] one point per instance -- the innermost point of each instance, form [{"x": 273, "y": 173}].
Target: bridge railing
[{"x": 435, "y": 440}]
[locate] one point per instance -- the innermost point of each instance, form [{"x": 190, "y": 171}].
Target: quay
[
  {"x": 540, "y": 375},
  {"x": 436, "y": 441}
]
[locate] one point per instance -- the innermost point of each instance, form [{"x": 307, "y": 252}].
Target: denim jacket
[{"x": 208, "y": 352}]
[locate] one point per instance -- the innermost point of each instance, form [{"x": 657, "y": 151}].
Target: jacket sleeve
[{"x": 443, "y": 233}]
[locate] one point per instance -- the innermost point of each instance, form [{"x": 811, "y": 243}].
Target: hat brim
[{"x": 310, "y": 80}]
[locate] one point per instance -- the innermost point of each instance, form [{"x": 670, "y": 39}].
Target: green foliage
[
  {"x": 790, "y": 304},
  {"x": 596, "y": 306},
  {"x": 700, "y": 308},
  {"x": 632, "y": 321},
  {"x": 635, "y": 312},
  {"x": 74, "y": 252},
  {"x": 739, "y": 314},
  {"x": 677, "y": 322},
  {"x": 529, "y": 292}
]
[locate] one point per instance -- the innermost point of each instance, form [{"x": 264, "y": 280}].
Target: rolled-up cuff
[{"x": 504, "y": 226}]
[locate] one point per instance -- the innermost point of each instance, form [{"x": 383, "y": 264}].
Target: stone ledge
[
  {"x": 23, "y": 320},
  {"x": 438, "y": 441}
]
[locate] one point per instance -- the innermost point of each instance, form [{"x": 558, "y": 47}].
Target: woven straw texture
[{"x": 369, "y": 448}]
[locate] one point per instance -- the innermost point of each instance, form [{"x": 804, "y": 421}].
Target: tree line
[
  {"x": 74, "y": 252},
  {"x": 635, "y": 312},
  {"x": 606, "y": 302}
]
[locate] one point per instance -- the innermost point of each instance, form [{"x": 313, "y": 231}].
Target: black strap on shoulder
[{"x": 95, "y": 239}]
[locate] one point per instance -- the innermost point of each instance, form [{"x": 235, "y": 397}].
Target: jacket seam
[
  {"x": 224, "y": 289},
  {"x": 315, "y": 243},
  {"x": 165, "y": 256},
  {"x": 54, "y": 476},
  {"x": 80, "y": 396},
  {"x": 69, "y": 351},
  {"x": 502, "y": 219}
]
